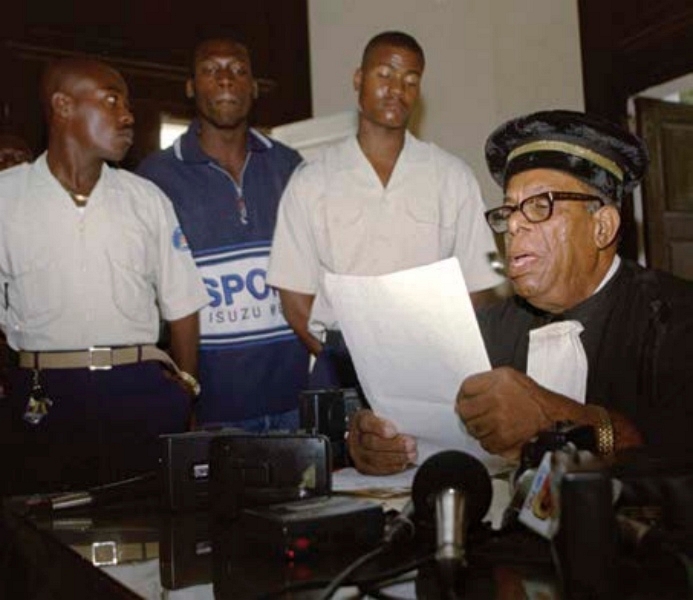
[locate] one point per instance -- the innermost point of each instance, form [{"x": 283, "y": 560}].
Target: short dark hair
[{"x": 398, "y": 39}]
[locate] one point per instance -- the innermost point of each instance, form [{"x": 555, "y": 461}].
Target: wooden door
[{"x": 667, "y": 191}]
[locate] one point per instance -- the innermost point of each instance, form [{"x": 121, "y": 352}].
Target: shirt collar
[
  {"x": 43, "y": 170},
  {"x": 354, "y": 156},
  {"x": 187, "y": 147},
  {"x": 615, "y": 264}
]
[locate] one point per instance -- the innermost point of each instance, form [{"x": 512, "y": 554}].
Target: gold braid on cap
[{"x": 567, "y": 148}]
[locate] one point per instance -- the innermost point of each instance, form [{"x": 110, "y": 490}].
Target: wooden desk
[
  {"x": 36, "y": 563},
  {"x": 138, "y": 552},
  {"x": 141, "y": 553}
]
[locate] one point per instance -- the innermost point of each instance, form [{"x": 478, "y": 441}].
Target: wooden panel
[
  {"x": 677, "y": 149},
  {"x": 677, "y": 225},
  {"x": 667, "y": 129},
  {"x": 151, "y": 44},
  {"x": 630, "y": 45},
  {"x": 645, "y": 23},
  {"x": 682, "y": 259}
]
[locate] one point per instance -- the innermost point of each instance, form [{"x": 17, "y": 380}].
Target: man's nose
[
  {"x": 397, "y": 86},
  {"x": 127, "y": 118},
  {"x": 516, "y": 222},
  {"x": 225, "y": 74}
]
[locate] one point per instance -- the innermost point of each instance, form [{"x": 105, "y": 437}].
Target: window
[{"x": 171, "y": 128}]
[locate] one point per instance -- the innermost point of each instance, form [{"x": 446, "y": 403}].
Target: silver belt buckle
[{"x": 100, "y": 358}]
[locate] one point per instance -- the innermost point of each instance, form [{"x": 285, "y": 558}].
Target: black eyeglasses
[{"x": 535, "y": 208}]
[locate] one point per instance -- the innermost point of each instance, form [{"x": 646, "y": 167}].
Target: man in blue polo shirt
[{"x": 225, "y": 180}]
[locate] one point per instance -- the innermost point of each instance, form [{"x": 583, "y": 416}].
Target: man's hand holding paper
[{"x": 413, "y": 338}]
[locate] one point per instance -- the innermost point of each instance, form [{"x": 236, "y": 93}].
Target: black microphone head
[{"x": 457, "y": 470}]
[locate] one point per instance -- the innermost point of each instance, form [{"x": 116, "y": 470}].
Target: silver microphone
[{"x": 450, "y": 529}]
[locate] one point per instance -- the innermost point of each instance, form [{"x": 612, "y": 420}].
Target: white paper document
[
  {"x": 350, "y": 480},
  {"x": 414, "y": 337},
  {"x": 393, "y": 491}
]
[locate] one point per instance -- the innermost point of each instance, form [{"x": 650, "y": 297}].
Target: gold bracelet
[
  {"x": 605, "y": 432},
  {"x": 191, "y": 381}
]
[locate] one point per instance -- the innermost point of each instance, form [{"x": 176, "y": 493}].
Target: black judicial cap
[{"x": 590, "y": 148}]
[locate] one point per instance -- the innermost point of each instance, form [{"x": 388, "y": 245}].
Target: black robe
[{"x": 638, "y": 338}]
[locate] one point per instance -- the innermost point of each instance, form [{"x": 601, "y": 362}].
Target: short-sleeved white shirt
[
  {"x": 73, "y": 278},
  {"x": 336, "y": 216}
]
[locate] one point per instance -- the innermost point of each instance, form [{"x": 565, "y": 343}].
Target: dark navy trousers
[
  {"x": 103, "y": 426},
  {"x": 333, "y": 367}
]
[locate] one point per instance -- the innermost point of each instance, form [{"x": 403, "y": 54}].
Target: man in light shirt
[
  {"x": 378, "y": 202},
  {"x": 90, "y": 261}
]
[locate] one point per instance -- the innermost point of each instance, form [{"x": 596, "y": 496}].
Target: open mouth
[{"x": 520, "y": 261}]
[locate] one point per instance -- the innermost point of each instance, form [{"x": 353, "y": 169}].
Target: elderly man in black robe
[{"x": 589, "y": 337}]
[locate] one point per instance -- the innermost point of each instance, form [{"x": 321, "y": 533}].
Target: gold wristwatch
[{"x": 605, "y": 432}]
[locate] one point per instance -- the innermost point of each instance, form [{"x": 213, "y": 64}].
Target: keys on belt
[{"x": 96, "y": 358}]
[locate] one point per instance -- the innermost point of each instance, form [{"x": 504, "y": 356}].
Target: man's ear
[
  {"x": 256, "y": 89},
  {"x": 358, "y": 76},
  {"x": 607, "y": 222},
  {"x": 189, "y": 89},
  {"x": 61, "y": 105}
]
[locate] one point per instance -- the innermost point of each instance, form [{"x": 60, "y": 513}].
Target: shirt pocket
[
  {"x": 341, "y": 226},
  {"x": 431, "y": 218},
  {"x": 423, "y": 209},
  {"x": 430, "y": 228},
  {"x": 34, "y": 293},
  {"x": 132, "y": 281}
]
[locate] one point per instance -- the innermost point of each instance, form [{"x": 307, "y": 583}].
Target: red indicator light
[{"x": 301, "y": 544}]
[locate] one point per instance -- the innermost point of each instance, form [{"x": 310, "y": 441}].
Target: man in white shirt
[
  {"x": 379, "y": 202},
  {"x": 90, "y": 260}
]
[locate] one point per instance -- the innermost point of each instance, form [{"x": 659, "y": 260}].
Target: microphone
[
  {"x": 402, "y": 527},
  {"x": 452, "y": 489},
  {"x": 110, "y": 493}
]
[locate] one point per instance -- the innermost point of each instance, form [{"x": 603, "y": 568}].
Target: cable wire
[{"x": 329, "y": 591}]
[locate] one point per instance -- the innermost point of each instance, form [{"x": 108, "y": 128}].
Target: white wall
[{"x": 486, "y": 61}]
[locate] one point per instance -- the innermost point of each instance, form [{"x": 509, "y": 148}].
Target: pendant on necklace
[{"x": 79, "y": 199}]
